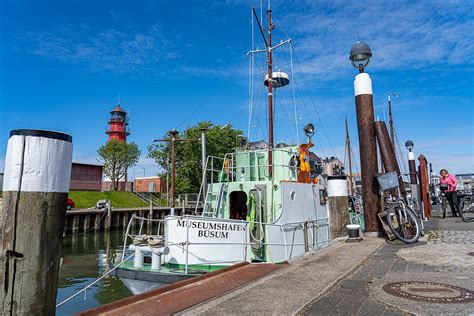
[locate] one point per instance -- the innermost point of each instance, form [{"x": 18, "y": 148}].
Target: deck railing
[{"x": 311, "y": 227}]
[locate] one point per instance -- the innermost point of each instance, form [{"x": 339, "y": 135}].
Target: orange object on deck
[{"x": 304, "y": 172}]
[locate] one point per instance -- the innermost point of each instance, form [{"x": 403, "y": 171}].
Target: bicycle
[
  {"x": 401, "y": 219},
  {"x": 413, "y": 204},
  {"x": 466, "y": 207},
  {"x": 443, "y": 187}
]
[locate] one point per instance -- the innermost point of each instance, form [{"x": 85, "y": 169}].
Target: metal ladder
[{"x": 209, "y": 210}]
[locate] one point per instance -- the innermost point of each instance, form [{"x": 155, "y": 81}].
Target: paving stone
[
  {"x": 353, "y": 284},
  {"x": 393, "y": 312},
  {"x": 414, "y": 267},
  {"x": 399, "y": 266},
  {"x": 428, "y": 268},
  {"x": 371, "y": 307},
  {"x": 351, "y": 304},
  {"x": 382, "y": 269},
  {"x": 325, "y": 304}
]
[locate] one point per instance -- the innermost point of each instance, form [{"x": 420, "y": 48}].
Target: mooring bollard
[
  {"x": 338, "y": 204},
  {"x": 35, "y": 190}
]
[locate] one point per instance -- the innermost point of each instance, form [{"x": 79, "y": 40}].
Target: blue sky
[{"x": 64, "y": 63}]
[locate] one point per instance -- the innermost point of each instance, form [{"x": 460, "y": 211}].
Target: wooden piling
[
  {"x": 125, "y": 220},
  {"x": 36, "y": 185},
  {"x": 389, "y": 158},
  {"x": 97, "y": 221},
  {"x": 75, "y": 224},
  {"x": 424, "y": 186},
  {"x": 368, "y": 152},
  {"x": 337, "y": 190},
  {"x": 150, "y": 217},
  {"x": 116, "y": 220},
  {"x": 108, "y": 223},
  {"x": 87, "y": 222}
]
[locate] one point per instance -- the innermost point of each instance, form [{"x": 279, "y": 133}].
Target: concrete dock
[{"x": 343, "y": 279}]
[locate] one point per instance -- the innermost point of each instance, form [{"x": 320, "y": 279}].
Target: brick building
[
  {"x": 149, "y": 184},
  {"x": 86, "y": 177}
]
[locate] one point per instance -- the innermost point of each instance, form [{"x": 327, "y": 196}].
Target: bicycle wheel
[
  {"x": 466, "y": 209},
  {"x": 419, "y": 214},
  {"x": 404, "y": 225}
]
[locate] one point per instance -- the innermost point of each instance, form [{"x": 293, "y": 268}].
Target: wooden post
[
  {"x": 368, "y": 152},
  {"x": 116, "y": 220},
  {"x": 75, "y": 224},
  {"x": 389, "y": 157},
  {"x": 424, "y": 186},
  {"x": 125, "y": 220},
  {"x": 338, "y": 205},
  {"x": 108, "y": 223},
  {"x": 150, "y": 217},
  {"x": 97, "y": 221},
  {"x": 87, "y": 221},
  {"x": 36, "y": 186}
]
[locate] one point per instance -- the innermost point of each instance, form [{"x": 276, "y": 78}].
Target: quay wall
[{"x": 94, "y": 220}]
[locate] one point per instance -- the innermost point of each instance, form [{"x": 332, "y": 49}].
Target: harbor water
[{"x": 84, "y": 258}]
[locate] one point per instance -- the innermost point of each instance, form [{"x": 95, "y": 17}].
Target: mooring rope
[{"x": 90, "y": 285}]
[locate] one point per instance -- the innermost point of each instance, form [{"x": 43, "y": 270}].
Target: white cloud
[
  {"x": 402, "y": 34},
  {"x": 102, "y": 50}
]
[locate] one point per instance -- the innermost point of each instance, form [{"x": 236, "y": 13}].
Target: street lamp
[
  {"x": 143, "y": 171},
  {"x": 409, "y": 145},
  {"x": 415, "y": 190},
  {"x": 309, "y": 130},
  {"x": 360, "y": 55}
]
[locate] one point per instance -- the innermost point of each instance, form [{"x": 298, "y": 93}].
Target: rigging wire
[
  {"x": 312, "y": 100},
  {"x": 294, "y": 95},
  {"x": 191, "y": 115},
  {"x": 258, "y": 123},
  {"x": 356, "y": 167},
  {"x": 399, "y": 153},
  {"x": 282, "y": 105}
]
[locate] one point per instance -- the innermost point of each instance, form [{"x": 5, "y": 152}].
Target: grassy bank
[{"x": 86, "y": 199}]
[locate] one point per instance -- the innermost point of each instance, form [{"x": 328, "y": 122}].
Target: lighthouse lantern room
[{"x": 118, "y": 124}]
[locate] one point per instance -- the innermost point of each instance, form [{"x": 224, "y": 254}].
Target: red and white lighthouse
[{"x": 118, "y": 123}]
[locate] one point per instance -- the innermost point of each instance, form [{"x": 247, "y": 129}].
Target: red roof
[{"x": 118, "y": 109}]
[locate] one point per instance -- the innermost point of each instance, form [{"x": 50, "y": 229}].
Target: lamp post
[
  {"x": 360, "y": 57},
  {"x": 390, "y": 117},
  {"x": 143, "y": 171},
  {"x": 173, "y": 138},
  {"x": 204, "y": 160},
  {"x": 412, "y": 167},
  {"x": 173, "y": 134}
]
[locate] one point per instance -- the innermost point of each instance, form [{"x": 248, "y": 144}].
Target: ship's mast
[
  {"x": 270, "y": 91},
  {"x": 269, "y": 52},
  {"x": 348, "y": 144}
]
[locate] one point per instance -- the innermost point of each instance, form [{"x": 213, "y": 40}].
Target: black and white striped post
[{"x": 35, "y": 190}]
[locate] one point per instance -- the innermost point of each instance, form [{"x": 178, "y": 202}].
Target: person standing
[{"x": 451, "y": 194}]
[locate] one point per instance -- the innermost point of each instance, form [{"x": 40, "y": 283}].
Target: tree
[
  {"x": 117, "y": 156},
  {"x": 219, "y": 141}
]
